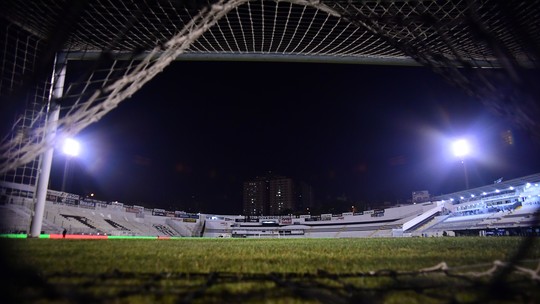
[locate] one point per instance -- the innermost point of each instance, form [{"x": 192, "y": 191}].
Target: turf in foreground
[{"x": 265, "y": 270}]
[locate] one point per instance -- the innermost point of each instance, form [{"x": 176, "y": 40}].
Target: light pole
[
  {"x": 71, "y": 148},
  {"x": 461, "y": 149}
]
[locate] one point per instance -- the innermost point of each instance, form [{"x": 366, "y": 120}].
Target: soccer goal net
[{"x": 66, "y": 64}]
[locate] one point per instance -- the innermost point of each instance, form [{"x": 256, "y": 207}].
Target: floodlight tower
[
  {"x": 461, "y": 149},
  {"x": 71, "y": 148}
]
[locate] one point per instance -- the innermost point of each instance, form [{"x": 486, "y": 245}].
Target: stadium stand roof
[{"x": 533, "y": 179}]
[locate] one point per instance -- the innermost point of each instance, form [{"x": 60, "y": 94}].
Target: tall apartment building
[
  {"x": 305, "y": 200},
  {"x": 275, "y": 195},
  {"x": 282, "y": 195},
  {"x": 255, "y": 198}
]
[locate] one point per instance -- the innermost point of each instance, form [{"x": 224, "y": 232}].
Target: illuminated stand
[{"x": 461, "y": 149}]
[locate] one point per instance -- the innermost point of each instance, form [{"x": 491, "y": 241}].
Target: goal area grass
[{"x": 202, "y": 270}]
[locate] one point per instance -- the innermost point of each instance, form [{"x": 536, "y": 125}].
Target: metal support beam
[{"x": 53, "y": 110}]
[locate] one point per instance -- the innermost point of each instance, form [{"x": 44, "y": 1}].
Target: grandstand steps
[
  {"x": 163, "y": 229},
  {"x": 20, "y": 217},
  {"x": 344, "y": 228},
  {"x": 198, "y": 231},
  {"x": 140, "y": 226},
  {"x": 419, "y": 219},
  {"x": 382, "y": 232},
  {"x": 12, "y": 221},
  {"x": 76, "y": 224},
  {"x": 428, "y": 225},
  {"x": 373, "y": 233},
  {"x": 181, "y": 230},
  {"x": 116, "y": 225},
  {"x": 421, "y": 224},
  {"x": 80, "y": 219}
]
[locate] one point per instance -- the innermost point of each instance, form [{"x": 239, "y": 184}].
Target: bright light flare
[
  {"x": 461, "y": 148},
  {"x": 71, "y": 147}
]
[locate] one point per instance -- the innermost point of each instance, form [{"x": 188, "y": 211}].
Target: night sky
[{"x": 191, "y": 137}]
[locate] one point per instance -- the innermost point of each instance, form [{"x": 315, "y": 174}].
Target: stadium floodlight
[
  {"x": 461, "y": 149},
  {"x": 71, "y": 148}
]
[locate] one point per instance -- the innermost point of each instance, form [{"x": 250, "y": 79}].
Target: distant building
[
  {"x": 420, "y": 196},
  {"x": 275, "y": 195},
  {"x": 304, "y": 198},
  {"x": 282, "y": 196},
  {"x": 255, "y": 198}
]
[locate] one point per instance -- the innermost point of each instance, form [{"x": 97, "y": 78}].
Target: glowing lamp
[
  {"x": 461, "y": 148},
  {"x": 71, "y": 147}
]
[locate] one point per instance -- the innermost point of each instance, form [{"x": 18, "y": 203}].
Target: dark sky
[{"x": 198, "y": 130}]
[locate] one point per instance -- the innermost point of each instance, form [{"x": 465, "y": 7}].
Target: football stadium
[
  {"x": 476, "y": 245},
  {"x": 507, "y": 208}
]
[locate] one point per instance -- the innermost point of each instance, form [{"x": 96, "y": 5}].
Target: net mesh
[
  {"x": 488, "y": 48},
  {"x": 19, "y": 63},
  {"x": 483, "y": 47},
  {"x": 437, "y": 284}
]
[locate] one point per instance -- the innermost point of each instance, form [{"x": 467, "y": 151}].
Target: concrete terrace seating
[
  {"x": 12, "y": 221},
  {"x": 460, "y": 222},
  {"x": 182, "y": 229},
  {"x": 116, "y": 225},
  {"x": 17, "y": 219},
  {"x": 81, "y": 219},
  {"x": 517, "y": 218},
  {"x": 76, "y": 224},
  {"x": 107, "y": 220},
  {"x": 429, "y": 225},
  {"x": 164, "y": 230}
]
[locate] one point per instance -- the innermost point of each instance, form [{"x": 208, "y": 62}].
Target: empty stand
[
  {"x": 116, "y": 225},
  {"x": 164, "y": 229},
  {"x": 81, "y": 219}
]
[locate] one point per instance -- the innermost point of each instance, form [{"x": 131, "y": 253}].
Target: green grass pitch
[{"x": 192, "y": 270}]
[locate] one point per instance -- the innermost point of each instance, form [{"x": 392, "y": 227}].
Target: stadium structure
[
  {"x": 483, "y": 47},
  {"x": 501, "y": 209}
]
